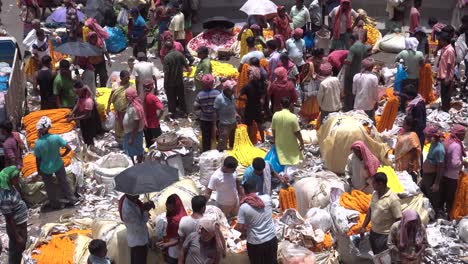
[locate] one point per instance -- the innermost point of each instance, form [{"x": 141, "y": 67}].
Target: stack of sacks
[
  {"x": 59, "y": 123},
  {"x": 243, "y": 150},
  {"x": 102, "y": 98}
]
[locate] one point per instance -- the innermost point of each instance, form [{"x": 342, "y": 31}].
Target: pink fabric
[
  {"x": 253, "y": 200},
  {"x": 415, "y": 19},
  {"x": 132, "y": 96},
  {"x": 281, "y": 73},
  {"x": 432, "y": 131},
  {"x": 447, "y": 57},
  {"x": 456, "y": 133},
  {"x": 371, "y": 163},
  {"x": 279, "y": 38},
  {"x": 337, "y": 58},
  {"x": 298, "y": 32},
  {"x": 177, "y": 46},
  {"x": 85, "y": 102},
  {"x": 229, "y": 84},
  {"x": 101, "y": 33},
  {"x": 408, "y": 216},
  {"x": 436, "y": 29},
  {"x": 413, "y": 103},
  {"x": 254, "y": 73},
  {"x": 367, "y": 64},
  {"x": 337, "y": 24},
  {"x": 326, "y": 69},
  {"x": 174, "y": 220},
  {"x": 207, "y": 81}
]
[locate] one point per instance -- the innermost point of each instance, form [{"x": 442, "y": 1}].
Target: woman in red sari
[
  {"x": 174, "y": 212},
  {"x": 281, "y": 23}
]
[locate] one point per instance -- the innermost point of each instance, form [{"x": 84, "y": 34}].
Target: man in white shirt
[
  {"x": 188, "y": 224},
  {"x": 255, "y": 219},
  {"x": 365, "y": 90},
  {"x": 134, "y": 215},
  {"x": 223, "y": 181},
  {"x": 144, "y": 70},
  {"x": 315, "y": 11},
  {"x": 295, "y": 47},
  {"x": 329, "y": 93},
  {"x": 300, "y": 15},
  {"x": 253, "y": 53}
]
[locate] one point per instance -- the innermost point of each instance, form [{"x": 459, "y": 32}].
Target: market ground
[{"x": 11, "y": 20}]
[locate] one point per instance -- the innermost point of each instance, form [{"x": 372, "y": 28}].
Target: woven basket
[{"x": 167, "y": 141}]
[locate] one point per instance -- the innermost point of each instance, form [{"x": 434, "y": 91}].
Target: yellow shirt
[
  {"x": 285, "y": 125},
  {"x": 385, "y": 211}
]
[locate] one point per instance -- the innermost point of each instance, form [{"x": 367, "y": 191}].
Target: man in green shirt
[
  {"x": 413, "y": 60},
  {"x": 357, "y": 52},
  {"x": 63, "y": 86},
  {"x": 203, "y": 67},
  {"x": 174, "y": 65},
  {"x": 287, "y": 133}
]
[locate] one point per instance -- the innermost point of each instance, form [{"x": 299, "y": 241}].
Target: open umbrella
[
  {"x": 78, "y": 48},
  {"x": 146, "y": 178},
  {"x": 216, "y": 22},
  {"x": 60, "y": 16},
  {"x": 259, "y": 7}
]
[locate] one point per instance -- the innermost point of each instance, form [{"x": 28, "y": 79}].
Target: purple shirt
[
  {"x": 273, "y": 63},
  {"x": 12, "y": 152},
  {"x": 453, "y": 161}
]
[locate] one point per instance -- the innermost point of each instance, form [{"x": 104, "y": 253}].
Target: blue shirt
[
  {"x": 47, "y": 148},
  {"x": 226, "y": 109},
  {"x": 436, "y": 153},
  {"x": 138, "y": 27},
  {"x": 205, "y": 102},
  {"x": 249, "y": 174}
]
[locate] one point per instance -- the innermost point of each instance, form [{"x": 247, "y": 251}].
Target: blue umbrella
[{"x": 60, "y": 16}]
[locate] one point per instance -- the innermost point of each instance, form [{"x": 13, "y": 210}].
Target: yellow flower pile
[
  {"x": 373, "y": 34},
  {"x": 220, "y": 69},
  {"x": 244, "y": 151}
]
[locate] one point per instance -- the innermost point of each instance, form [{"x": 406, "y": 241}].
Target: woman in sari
[
  {"x": 174, "y": 212},
  {"x": 245, "y": 33},
  {"x": 362, "y": 165},
  {"x": 408, "y": 149},
  {"x": 310, "y": 79},
  {"x": 281, "y": 87},
  {"x": 85, "y": 112},
  {"x": 408, "y": 239},
  {"x": 119, "y": 100},
  {"x": 281, "y": 23}
]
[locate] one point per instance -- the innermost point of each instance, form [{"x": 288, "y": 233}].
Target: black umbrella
[
  {"x": 217, "y": 21},
  {"x": 78, "y": 48},
  {"x": 146, "y": 178}
]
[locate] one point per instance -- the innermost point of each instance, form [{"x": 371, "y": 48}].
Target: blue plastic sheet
[
  {"x": 272, "y": 157},
  {"x": 400, "y": 76},
  {"x": 116, "y": 42}
]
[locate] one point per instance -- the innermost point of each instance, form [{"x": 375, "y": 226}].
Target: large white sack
[
  {"x": 393, "y": 43},
  {"x": 109, "y": 166},
  {"x": 319, "y": 219},
  {"x": 463, "y": 229},
  {"x": 314, "y": 191},
  {"x": 209, "y": 162},
  {"x": 309, "y": 136}
]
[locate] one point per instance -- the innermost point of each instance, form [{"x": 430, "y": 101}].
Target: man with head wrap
[
  {"x": 225, "y": 105},
  {"x": 366, "y": 90},
  {"x": 204, "y": 102},
  {"x": 413, "y": 60},
  {"x": 16, "y": 213},
  {"x": 295, "y": 47},
  {"x": 433, "y": 166},
  {"x": 455, "y": 153},
  {"x": 341, "y": 20},
  {"x": 329, "y": 93},
  {"x": 49, "y": 162}
]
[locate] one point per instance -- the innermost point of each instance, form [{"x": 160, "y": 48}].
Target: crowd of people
[{"x": 282, "y": 74}]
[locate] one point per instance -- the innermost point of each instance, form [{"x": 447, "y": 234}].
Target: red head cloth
[
  {"x": 408, "y": 216},
  {"x": 432, "y": 131},
  {"x": 367, "y": 64},
  {"x": 371, "y": 163},
  {"x": 166, "y": 35},
  {"x": 229, "y": 84},
  {"x": 280, "y": 39},
  {"x": 254, "y": 73},
  {"x": 172, "y": 230},
  {"x": 207, "y": 81},
  {"x": 148, "y": 83},
  {"x": 132, "y": 97},
  {"x": 298, "y": 32},
  {"x": 280, "y": 8},
  {"x": 337, "y": 24},
  {"x": 326, "y": 69},
  {"x": 102, "y": 35},
  {"x": 281, "y": 74},
  {"x": 456, "y": 133}
]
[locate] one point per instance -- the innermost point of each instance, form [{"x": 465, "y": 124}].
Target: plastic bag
[
  {"x": 400, "y": 76},
  {"x": 116, "y": 41},
  {"x": 319, "y": 219},
  {"x": 289, "y": 253},
  {"x": 272, "y": 157},
  {"x": 122, "y": 18},
  {"x": 109, "y": 123}
]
